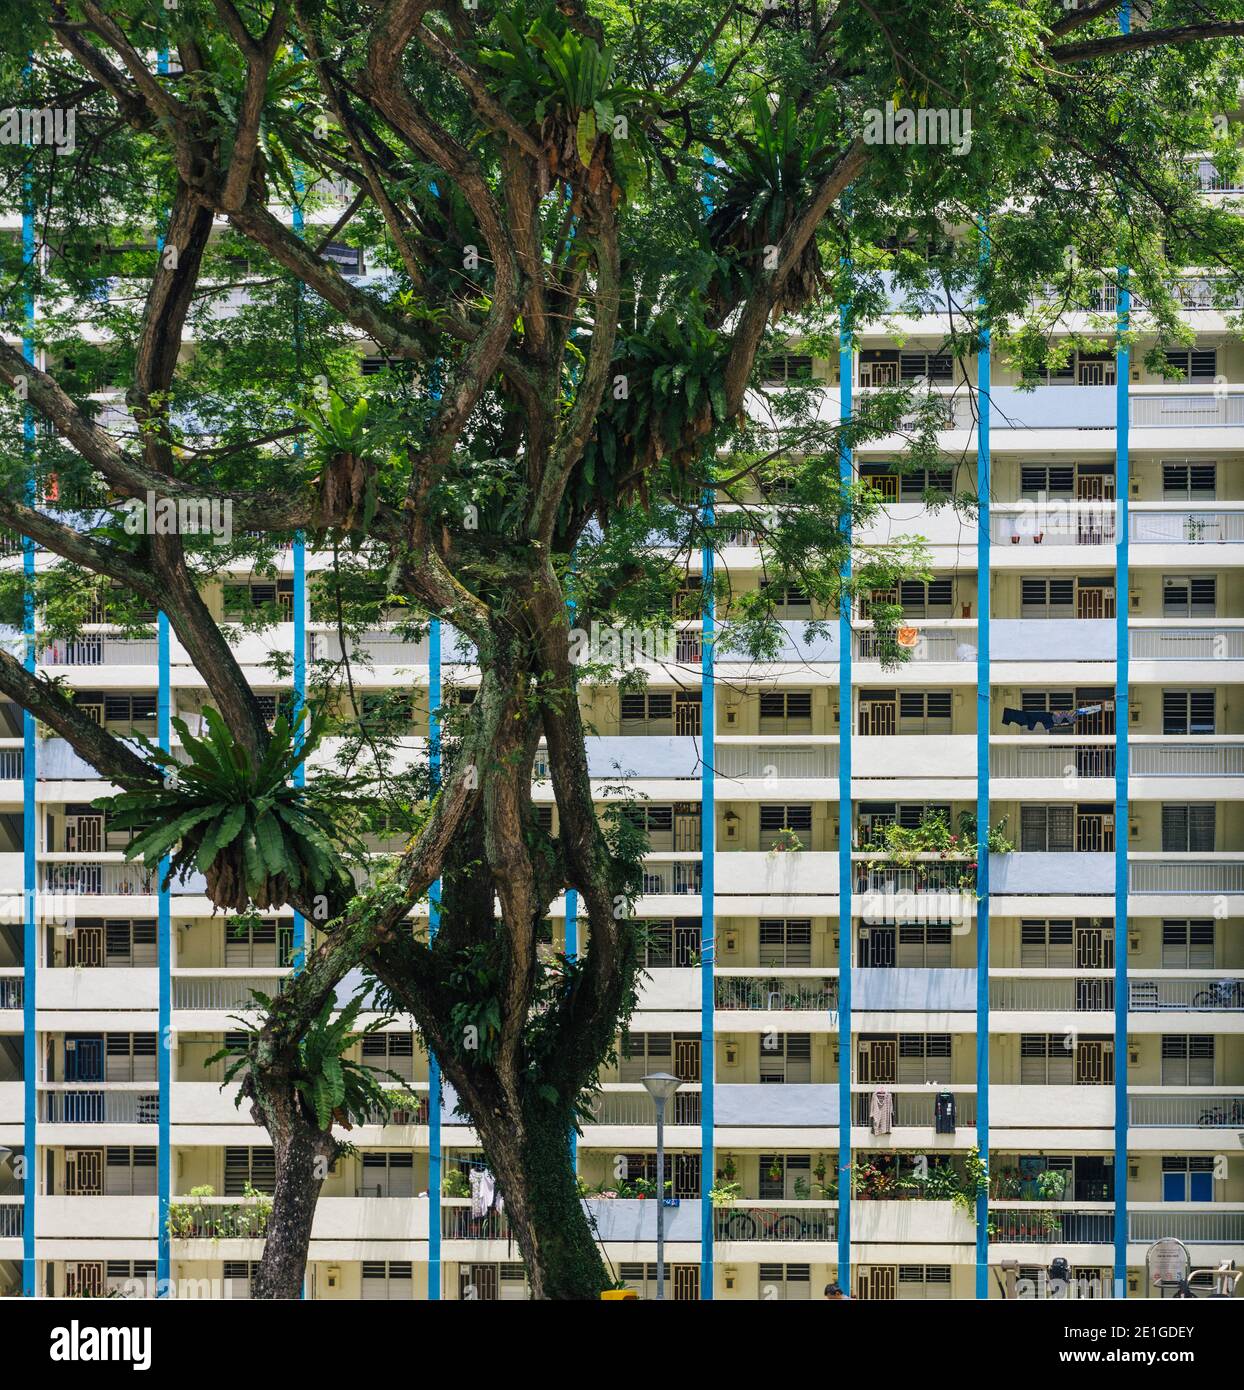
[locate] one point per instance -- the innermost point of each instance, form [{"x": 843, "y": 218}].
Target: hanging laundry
[
  {"x": 881, "y": 1112},
  {"x": 1030, "y": 718},
  {"x": 944, "y": 1113}
]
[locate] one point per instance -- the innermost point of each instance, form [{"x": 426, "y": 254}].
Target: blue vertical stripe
[
  {"x": 299, "y": 952},
  {"x": 983, "y": 489},
  {"x": 434, "y": 921},
  {"x": 708, "y": 924},
  {"x": 164, "y": 927},
  {"x": 1122, "y": 588},
  {"x": 1122, "y": 604},
  {"x": 572, "y": 953},
  {"x": 30, "y": 885},
  {"x": 846, "y": 368}
]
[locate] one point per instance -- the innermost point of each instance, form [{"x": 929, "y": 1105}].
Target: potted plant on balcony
[
  {"x": 1051, "y": 1184},
  {"x": 786, "y": 842},
  {"x": 456, "y": 1184}
]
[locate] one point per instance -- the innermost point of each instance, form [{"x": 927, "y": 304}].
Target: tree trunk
[
  {"x": 542, "y": 1203},
  {"x": 303, "y": 1155}
]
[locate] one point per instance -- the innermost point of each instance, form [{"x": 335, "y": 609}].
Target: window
[
  {"x": 655, "y": 711},
  {"x": 923, "y": 1282},
  {"x": 776, "y": 820},
  {"x": 931, "y": 599},
  {"x": 682, "y": 1172},
  {"x": 264, "y": 943},
  {"x": 1185, "y": 478},
  {"x": 786, "y": 1058},
  {"x": 122, "y": 1276},
  {"x": 785, "y": 368},
  {"x": 931, "y": 366},
  {"x": 1048, "y": 479},
  {"x": 261, "y": 594},
  {"x": 238, "y": 1275},
  {"x": 785, "y": 1283},
  {"x": 1188, "y": 712},
  {"x": 913, "y": 486},
  {"x": 672, "y": 944},
  {"x": 1046, "y": 945},
  {"x": 924, "y": 711},
  {"x": 1188, "y": 1059},
  {"x": 1047, "y": 829},
  {"x": 786, "y": 942},
  {"x": 924, "y": 945},
  {"x": 391, "y": 1052},
  {"x": 1194, "y": 596},
  {"x": 129, "y": 709},
  {"x": 923, "y": 1057},
  {"x": 130, "y": 1057},
  {"x": 127, "y": 943},
  {"x": 1188, "y": 829},
  {"x": 786, "y": 712},
  {"x": 387, "y": 1280},
  {"x": 1047, "y": 598},
  {"x": 247, "y": 1167},
  {"x": 780, "y": 1172},
  {"x": 1187, "y": 1179},
  {"x": 347, "y": 259},
  {"x": 1197, "y": 364},
  {"x": 388, "y": 1174},
  {"x": 788, "y": 600},
  {"x": 130, "y": 1172},
  {"x": 1188, "y": 945}
]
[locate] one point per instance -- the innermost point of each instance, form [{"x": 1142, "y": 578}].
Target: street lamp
[{"x": 661, "y": 1086}]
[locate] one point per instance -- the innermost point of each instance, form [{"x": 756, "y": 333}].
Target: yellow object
[{"x": 613, "y": 1295}]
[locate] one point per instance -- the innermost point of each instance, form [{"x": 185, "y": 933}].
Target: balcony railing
[
  {"x": 1179, "y": 410},
  {"x": 768, "y": 994},
  {"x": 12, "y": 1220},
  {"x": 458, "y": 1223},
  {"x": 1205, "y": 995},
  {"x": 914, "y": 1109},
  {"x": 1193, "y": 1227},
  {"x": 1054, "y": 760},
  {"x": 99, "y": 649},
  {"x": 636, "y": 1108},
  {"x": 11, "y": 994},
  {"x": 218, "y": 1218},
  {"x": 1186, "y": 527},
  {"x": 111, "y": 880},
  {"x": 1050, "y": 1225},
  {"x": 1180, "y": 759},
  {"x": 1207, "y": 1111},
  {"x": 954, "y": 876},
  {"x": 223, "y": 992},
  {"x": 1185, "y": 874},
  {"x": 932, "y": 644},
  {"x": 380, "y": 648},
  {"x": 1054, "y": 523},
  {"x": 1215, "y": 642},
  {"x": 678, "y": 877},
  {"x": 787, "y": 1221},
  {"x": 1084, "y": 995},
  {"x": 84, "y": 1106},
  {"x": 776, "y": 760},
  {"x": 12, "y": 764}
]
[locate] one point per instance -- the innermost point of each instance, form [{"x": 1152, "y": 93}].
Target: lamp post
[{"x": 661, "y": 1086}]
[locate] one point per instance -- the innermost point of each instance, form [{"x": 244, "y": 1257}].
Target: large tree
[{"x": 588, "y": 224}]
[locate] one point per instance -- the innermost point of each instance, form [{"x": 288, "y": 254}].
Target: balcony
[
  {"x": 1214, "y": 641},
  {"x": 1186, "y": 757},
  {"x": 1034, "y": 1223},
  {"x": 1053, "y": 523},
  {"x": 1025, "y": 759},
  {"x": 777, "y": 1223},
  {"x": 1026, "y": 873},
  {"x": 1052, "y": 639},
  {"x": 222, "y": 992},
  {"x": 1198, "y": 1110},
  {"x": 1093, "y": 992},
  {"x": 12, "y": 1218},
  {"x": 770, "y": 994},
  {"x": 100, "y": 1103},
  {"x": 635, "y": 1107},
  {"x": 914, "y": 1106},
  {"x": 1185, "y": 526},
  {"x": 11, "y": 991},
  {"x": 1190, "y": 874},
  {"x": 944, "y": 643},
  {"x": 906, "y": 989},
  {"x": 1167, "y": 408}
]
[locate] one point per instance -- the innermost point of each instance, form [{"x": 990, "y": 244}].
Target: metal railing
[
  {"x": 458, "y": 1223},
  {"x": 223, "y": 992},
  {"x": 1052, "y": 760},
  {"x": 802, "y": 1222},
  {"x": 1214, "y": 643},
  {"x": 1050, "y": 1225},
  {"x": 1200, "y": 1227},
  {"x": 1180, "y": 411},
  {"x": 636, "y": 1108},
  {"x": 776, "y": 760},
  {"x": 1146, "y": 996},
  {"x": 1207, "y": 292},
  {"x": 12, "y": 764},
  {"x": 932, "y": 644},
  {"x": 381, "y": 648},
  {"x": 12, "y": 1220},
  {"x": 11, "y": 994},
  {"x": 88, "y": 1107},
  {"x": 1185, "y": 874},
  {"x": 1185, "y": 1112},
  {"x": 914, "y": 1109},
  {"x": 1055, "y": 523},
  {"x": 217, "y": 1218},
  {"x": 1181, "y": 759},
  {"x": 99, "y": 649},
  {"x": 953, "y": 877},
  {"x": 1186, "y": 527},
  {"x": 1085, "y": 995},
  {"x": 766, "y": 993},
  {"x": 119, "y": 880},
  {"x": 679, "y": 877}
]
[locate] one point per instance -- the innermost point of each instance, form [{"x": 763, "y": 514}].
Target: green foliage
[
  {"x": 334, "y": 1088},
  {"x": 254, "y": 835}
]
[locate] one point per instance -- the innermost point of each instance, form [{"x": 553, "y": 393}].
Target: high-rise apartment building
[{"x": 859, "y": 1015}]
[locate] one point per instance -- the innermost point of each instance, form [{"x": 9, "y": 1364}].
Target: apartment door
[
  {"x": 877, "y": 1282},
  {"x": 687, "y": 714},
  {"x": 84, "y": 1279},
  {"x": 84, "y": 834},
  {"x": 84, "y": 1058},
  {"x": 1094, "y": 600},
  {"x": 1102, "y": 722},
  {"x": 686, "y": 1281},
  {"x": 84, "y": 1172},
  {"x": 1094, "y": 1062},
  {"x": 878, "y": 713},
  {"x": 1094, "y": 830},
  {"x": 1095, "y": 487},
  {"x": 878, "y": 947},
  {"x": 686, "y": 829},
  {"x": 878, "y": 1060},
  {"x": 84, "y": 947},
  {"x": 687, "y": 1059},
  {"x": 478, "y": 1284},
  {"x": 1094, "y": 947}
]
